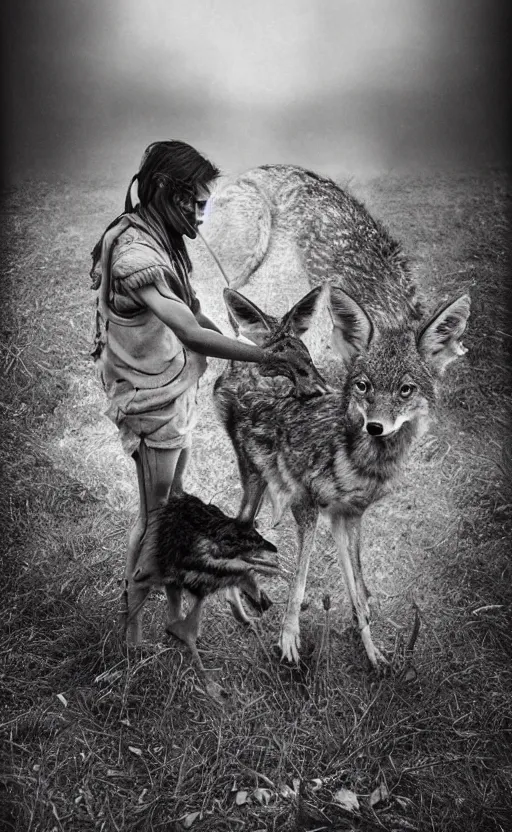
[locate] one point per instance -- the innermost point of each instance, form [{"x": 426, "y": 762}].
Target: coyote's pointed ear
[
  {"x": 352, "y": 328},
  {"x": 246, "y": 318},
  {"x": 298, "y": 318},
  {"x": 439, "y": 340}
]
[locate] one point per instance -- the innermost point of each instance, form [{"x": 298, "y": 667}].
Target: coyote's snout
[{"x": 334, "y": 453}]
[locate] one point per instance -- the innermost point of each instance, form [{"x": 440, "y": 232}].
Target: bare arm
[
  {"x": 197, "y": 338},
  {"x": 205, "y": 322},
  {"x": 272, "y": 361}
]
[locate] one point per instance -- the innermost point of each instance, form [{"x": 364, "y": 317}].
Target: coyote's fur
[{"x": 336, "y": 453}]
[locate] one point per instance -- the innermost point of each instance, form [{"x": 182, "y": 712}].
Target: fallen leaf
[
  {"x": 262, "y": 796},
  {"x": 62, "y": 698},
  {"x": 378, "y": 794},
  {"x": 134, "y": 750},
  {"x": 404, "y": 802},
  {"x": 241, "y": 798},
  {"x": 286, "y": 791},
  {"x": 411, "y": 674},
  {"x": 189, "y": 819},
  {"x": 347, "y": 799},
  {"x": 109, "y": 676},
  {"x": 317, "y": 784}
]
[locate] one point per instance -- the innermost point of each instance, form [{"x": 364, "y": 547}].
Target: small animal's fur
[
  {"x": 336, "y": 453},
  {"x": 194, "y": 546}
]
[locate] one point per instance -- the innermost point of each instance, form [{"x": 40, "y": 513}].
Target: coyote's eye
[
  {"x": 361, "y": 386},
  {"x": 407, "y": 390}
]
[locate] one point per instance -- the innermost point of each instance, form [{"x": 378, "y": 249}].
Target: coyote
[
  {"x": 336, "y": 454},
  {"x": 198, "y": 548}
]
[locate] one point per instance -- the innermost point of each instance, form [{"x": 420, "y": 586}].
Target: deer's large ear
[
  {"x": 352, "y": 328},
  {"x": 439, "y": 340},
  {"x": 246, "y": 318},
  {"x": 298, "y": 318}
]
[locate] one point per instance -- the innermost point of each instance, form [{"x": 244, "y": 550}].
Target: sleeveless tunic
[{"x": 149, "y": 377}]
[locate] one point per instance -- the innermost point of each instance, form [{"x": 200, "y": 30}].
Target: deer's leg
[
  {"x": 188, "y": 630},
  {"x": 353, "y": 528},
  {"x": 234, "y": 600},
  {"x": 253, "y": 492},
  {"x": 306, "y": 517},
  {"x": 174, "y": 602},
  {"x": 347, "y": 533}
]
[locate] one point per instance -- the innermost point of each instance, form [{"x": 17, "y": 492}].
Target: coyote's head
[{"x": 392, "y": 374}]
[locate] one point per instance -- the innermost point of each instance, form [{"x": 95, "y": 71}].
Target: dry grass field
[{"x": 96, "y": 739}]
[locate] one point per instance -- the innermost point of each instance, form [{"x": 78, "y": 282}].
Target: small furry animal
[
  {"x": 338, "y": 452},
  {"x": 196, "y": 547}
]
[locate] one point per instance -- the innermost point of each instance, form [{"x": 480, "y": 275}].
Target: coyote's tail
[{"x": 250, "y": 226}]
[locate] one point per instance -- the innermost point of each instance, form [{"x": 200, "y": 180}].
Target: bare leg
[
  {"x": 346, "y": 532},
  {"x": 155, "y": 475},
  {"x": 306, "y": 516},
  {"x": 181, "y": 467},
  {"x": 174, "y": 594},
  {"x": 132, "y": 553}
]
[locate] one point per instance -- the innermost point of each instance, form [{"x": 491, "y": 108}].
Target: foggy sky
[{"x": 337, "y": 85}]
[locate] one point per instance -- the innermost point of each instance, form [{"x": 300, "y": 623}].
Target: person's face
[{"x": 202, "y": 196}]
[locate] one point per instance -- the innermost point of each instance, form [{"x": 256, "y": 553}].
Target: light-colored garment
[{"x": 148, "y": 375}]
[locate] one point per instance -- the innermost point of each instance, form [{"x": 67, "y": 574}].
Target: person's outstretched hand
[{"x": 283, "y": 360}]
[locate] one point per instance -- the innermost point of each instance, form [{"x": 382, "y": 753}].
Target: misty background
[{"x": 355, "y": 86}]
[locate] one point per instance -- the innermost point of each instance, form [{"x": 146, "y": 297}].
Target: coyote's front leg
[
  {"x": 306, "y": 517},
  {"x": 347, "y": 534}
]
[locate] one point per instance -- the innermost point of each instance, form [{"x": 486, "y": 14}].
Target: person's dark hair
[
  {"x": 169, "y": 175},
  {"x": 171, "y": 166}
]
